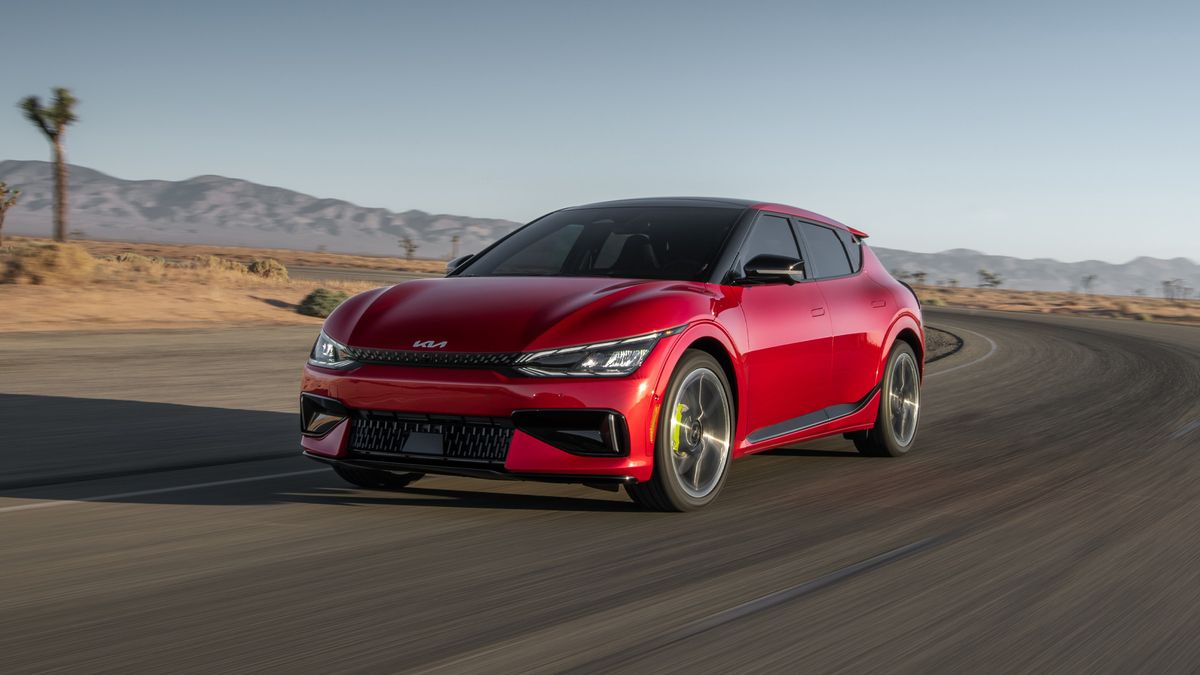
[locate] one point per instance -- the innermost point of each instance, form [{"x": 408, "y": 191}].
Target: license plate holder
[{"x": 425, "y": 444}]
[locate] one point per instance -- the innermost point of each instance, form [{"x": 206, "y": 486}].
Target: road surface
[{"x": 1047, "y": 522}]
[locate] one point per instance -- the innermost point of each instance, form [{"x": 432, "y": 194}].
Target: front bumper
[{"x": 486, "y": 399}]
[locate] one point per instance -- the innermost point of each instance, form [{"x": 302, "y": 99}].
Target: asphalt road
[{"x": 1047, "y": 522}]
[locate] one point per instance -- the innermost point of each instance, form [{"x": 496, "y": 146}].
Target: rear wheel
[
  {"x": 376, "y": 480},
  {"x": 694, "y": 443},
  {"x": 899, "y": 407}
]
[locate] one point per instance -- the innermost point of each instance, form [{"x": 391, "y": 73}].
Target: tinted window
[
  {"x": 771, "y": 235},
  {"x": 643, "y": 242},
  {"x": 542, "y": 256},
  {"x": 825, "y": 251},
  {"x": 853, "y": 249}
]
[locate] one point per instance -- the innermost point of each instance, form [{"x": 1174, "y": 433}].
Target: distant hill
[
  {"x": 1044, "y": 274},
  {"x": 232, "y": 212},
  {"x": 228, "y": 211}
]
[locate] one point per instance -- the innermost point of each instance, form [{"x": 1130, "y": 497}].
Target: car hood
[{"x": 512, "y": 314}]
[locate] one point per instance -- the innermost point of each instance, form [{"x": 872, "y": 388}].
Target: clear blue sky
[{"x": 1068, "y": 129}]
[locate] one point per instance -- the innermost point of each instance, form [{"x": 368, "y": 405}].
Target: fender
[
  {"x": 696, "y": 331},
  {"x": 905, "y": 318}
]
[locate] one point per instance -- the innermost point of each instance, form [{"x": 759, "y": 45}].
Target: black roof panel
[{"x": 715, "y": 202}]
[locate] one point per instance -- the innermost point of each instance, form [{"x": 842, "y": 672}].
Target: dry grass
[
  {"x": 1046, "y": 302},
  {"x": 179, "y": 252},
  {"x": 46, "y": 263},
  {"x": 56, "y": 287}
]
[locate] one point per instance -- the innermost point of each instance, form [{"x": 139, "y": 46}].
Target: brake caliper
[{"x": 677, "y": 425}]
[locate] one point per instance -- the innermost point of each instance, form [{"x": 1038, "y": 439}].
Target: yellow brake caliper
[{"x": 676, "y": 425}]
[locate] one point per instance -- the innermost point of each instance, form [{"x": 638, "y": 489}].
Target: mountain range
[{"x": 233, "y": 212}]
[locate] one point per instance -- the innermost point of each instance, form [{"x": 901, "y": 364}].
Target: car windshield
[{"x": 631, "y": 242}]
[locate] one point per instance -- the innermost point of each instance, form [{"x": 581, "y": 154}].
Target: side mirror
[
  {"x": 768, "y": 268},
  {"x": 458, "y": 262}
]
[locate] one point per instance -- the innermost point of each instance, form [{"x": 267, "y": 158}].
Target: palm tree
[
  {"x": 7, "y": 199},
  {"x": 53, "y": 120}
]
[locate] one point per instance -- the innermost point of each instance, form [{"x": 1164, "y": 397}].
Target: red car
[{"x": 643, "y": 343}]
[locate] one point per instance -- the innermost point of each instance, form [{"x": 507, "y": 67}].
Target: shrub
[
  {"x": 935, "y": 302},
  {"x": 216, "y": 264},
  {"x": 138, "y": 261},
  {"x": 321, "y": 302},
  {"x": 37, "y": 263},
  {"x": 128, "y": 257},
  {"x": 269, "y": 268}
]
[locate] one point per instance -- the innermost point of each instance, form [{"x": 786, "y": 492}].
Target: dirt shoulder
[{"x": 47, "y": 287}]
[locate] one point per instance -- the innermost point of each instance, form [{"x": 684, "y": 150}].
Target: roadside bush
[
  {"x": 38, "y": 263},
  {"x": 139, "y": 262},
  {"x": 935, "y": 302},
  {"x": 269, "y": 268},
  {"x": 129, "y": 257},
  {"x": 321, "y": 302},
  {"x": 217, "y": 264}
]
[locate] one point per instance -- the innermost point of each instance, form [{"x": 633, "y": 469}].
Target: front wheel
[
  {"x": 899, "y": 407},
  {"x": 694, "y": 443},
  {"x": 376, "y": 480}
]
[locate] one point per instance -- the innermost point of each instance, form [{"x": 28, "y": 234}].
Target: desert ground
[{"x": 106, "y": 285}]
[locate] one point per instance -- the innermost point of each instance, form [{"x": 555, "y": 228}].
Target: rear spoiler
[{"x": 856, "y": 232}]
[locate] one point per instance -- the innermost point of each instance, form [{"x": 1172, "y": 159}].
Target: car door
[
  {"x": 789, "y": 339},
  {"x": 852, "y": 305}
]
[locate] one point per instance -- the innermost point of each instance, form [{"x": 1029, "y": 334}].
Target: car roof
[{"x": 724, "y": 202}]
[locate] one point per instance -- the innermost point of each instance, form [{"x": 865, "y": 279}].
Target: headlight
[
  {"x": 329, "y": 354},
  {"x": 612, "y": 359}
]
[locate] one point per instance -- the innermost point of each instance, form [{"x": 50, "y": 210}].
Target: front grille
[
  {"x": 378, "y": 434},
  {"x": 400, "y": 357}
]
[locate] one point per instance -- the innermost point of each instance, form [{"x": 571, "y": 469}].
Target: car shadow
[
  {"x": 415, "y": 495},
  {"x": 53, "y": 445}
]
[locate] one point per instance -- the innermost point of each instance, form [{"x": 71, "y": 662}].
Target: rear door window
[{"x": 853, "y": 249}]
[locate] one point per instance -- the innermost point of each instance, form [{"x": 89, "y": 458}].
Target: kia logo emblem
[{"x": 429, "y": 344}]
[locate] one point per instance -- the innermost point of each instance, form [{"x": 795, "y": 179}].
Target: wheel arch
[
  {"x": 715, "y": 349},
  {"x": 712, "y": 340},
  {"x": 908, "y": 329}
]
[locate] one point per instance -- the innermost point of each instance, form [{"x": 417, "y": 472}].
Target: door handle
[
  {"x": 818, "y": 311},
  {"x": 879, "y": 303}
]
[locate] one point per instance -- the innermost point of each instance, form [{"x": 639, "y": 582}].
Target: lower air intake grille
[{"x": 381, "y": 434}]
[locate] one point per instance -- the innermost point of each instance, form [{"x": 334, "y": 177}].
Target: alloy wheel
[{"x": 700, "y": 432}]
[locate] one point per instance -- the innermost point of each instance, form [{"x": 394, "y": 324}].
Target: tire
[
  {"x": 376, "y": 480},
  {"x": 895, "y": 432},
  {"x": 692, "y": 451}
]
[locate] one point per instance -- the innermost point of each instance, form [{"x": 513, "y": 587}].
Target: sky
[{"x": 1068, "y": 130}]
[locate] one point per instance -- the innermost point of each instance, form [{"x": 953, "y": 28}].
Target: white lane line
[
  {"x": 991, "y": 350},
  {"x": 154, "y": 491}
]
